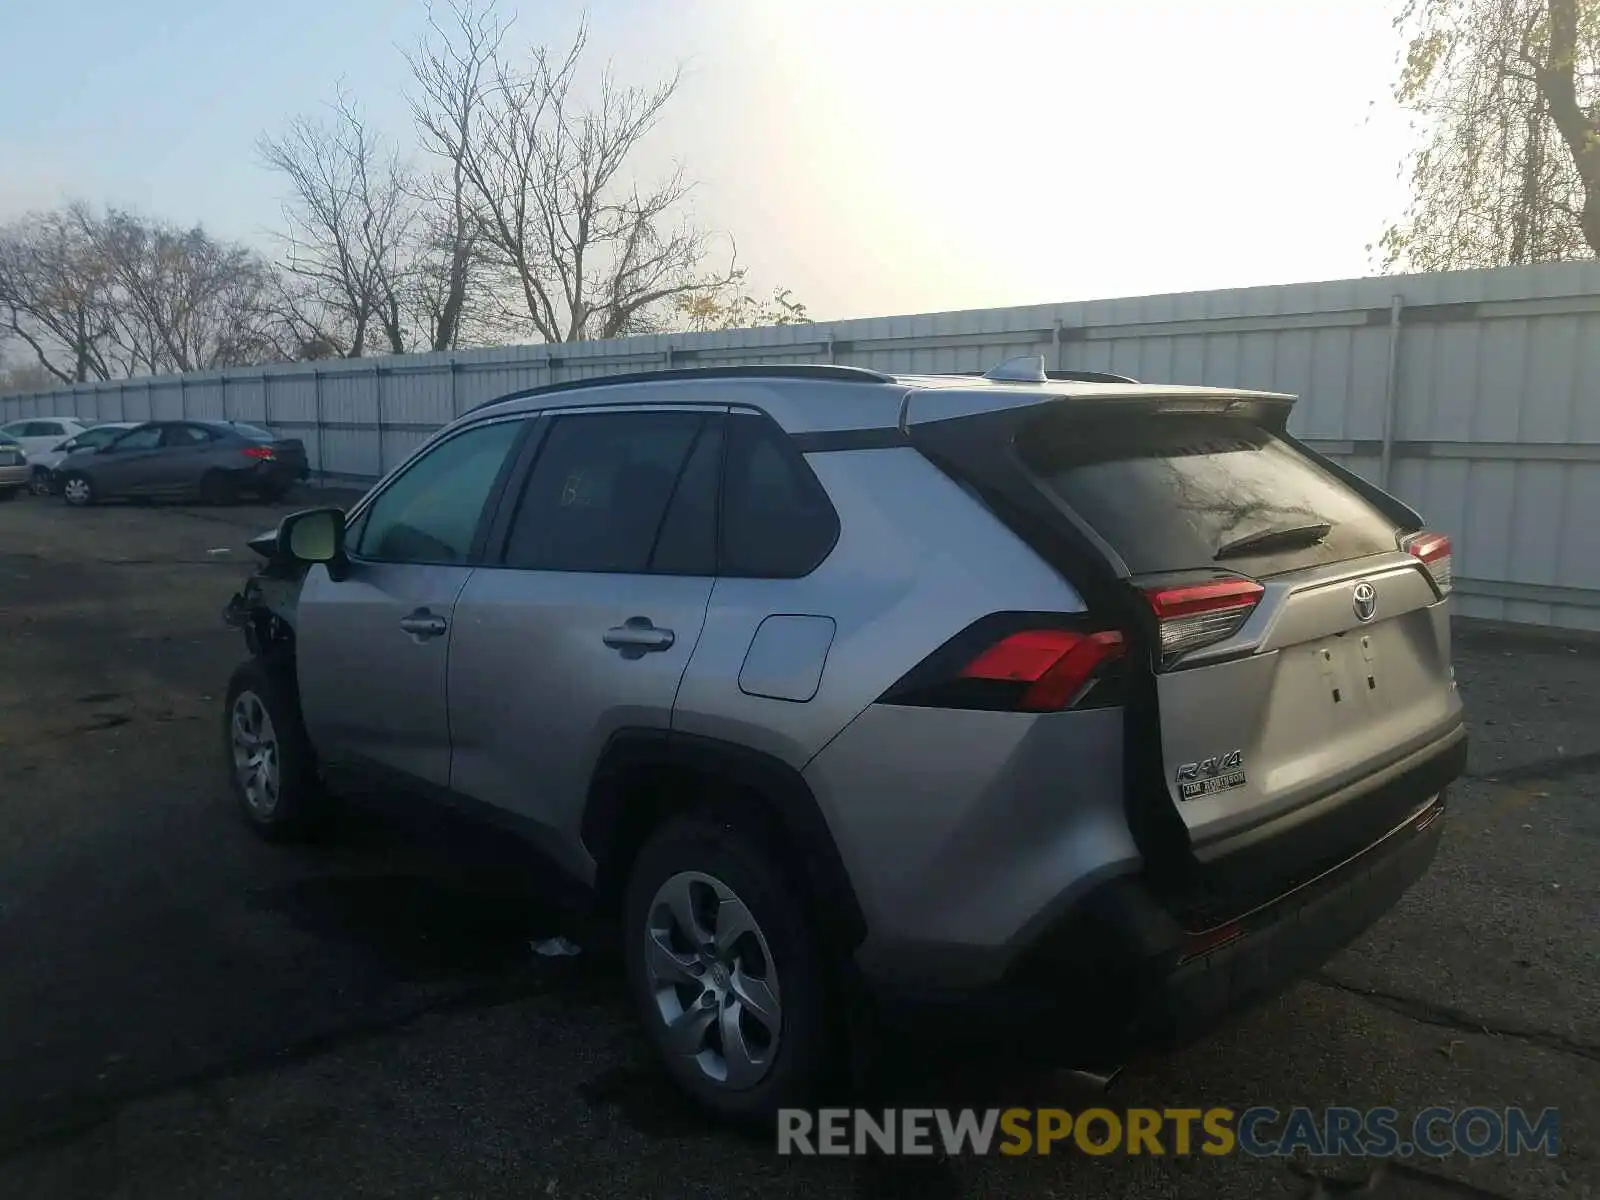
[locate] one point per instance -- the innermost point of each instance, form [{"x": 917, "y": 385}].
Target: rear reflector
[
  {"x": 1199, "y": 614},
  {"x": 1433, "y": 551},
  {"x": 1056, "y": 664},
  {"x": 264, "y": 453}
]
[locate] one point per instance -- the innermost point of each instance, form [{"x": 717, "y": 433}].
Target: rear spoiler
[{"x": 924, "y": 406}]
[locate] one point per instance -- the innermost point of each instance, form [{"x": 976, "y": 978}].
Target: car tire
[
  {"x": 77, "y": 490},
  {"x": 9, "y": 493},
  {"x": 39, "y": 483},
  {"x": 690, "y": 864},
  {"x": 217, "y": 489},
  {"x": 271, "y": 766}
]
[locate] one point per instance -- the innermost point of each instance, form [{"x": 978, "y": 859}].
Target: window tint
[
  {"x": 49, "y": 429},
  {"x": 777, "y": 522},
  {"x": 687, "y": 544},
  {"x": 598, "y": 491},
  {"x": 97, "y": 437},
  {"x": 1167, "y": 492},
  {"x": 146, "y": 437},
  {"x": 179, "y": 436},
  {"x": 14, "y": 429},
  {"x": 430, "y": 513}
]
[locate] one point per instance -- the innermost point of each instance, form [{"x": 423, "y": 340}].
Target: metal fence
[{"x": 1474, "y": 395}]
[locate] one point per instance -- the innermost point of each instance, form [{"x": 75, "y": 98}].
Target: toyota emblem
[{"x": 1365, "y": 601}]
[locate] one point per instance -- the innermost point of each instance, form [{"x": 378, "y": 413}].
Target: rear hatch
[{"x": 1291, "y": 619}]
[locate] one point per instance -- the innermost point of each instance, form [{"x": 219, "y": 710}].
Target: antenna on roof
[{"x": 1026, "y": 368}]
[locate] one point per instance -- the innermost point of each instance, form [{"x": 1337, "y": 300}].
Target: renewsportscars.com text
[{"x": 1259, "y": 1132}]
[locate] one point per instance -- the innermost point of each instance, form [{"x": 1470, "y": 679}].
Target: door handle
[
  {"x": 636, "y": 636},
  {"x": 423, "y": 624}
]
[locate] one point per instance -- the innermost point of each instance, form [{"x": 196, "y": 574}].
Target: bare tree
[
  {"x": 585, "y": 251},
  {"x": 183, "y": 300},
  {"x": 1511, "y": 169},
  {"x": 55, "y": 295},
  {"x": 350, "y": 222}
]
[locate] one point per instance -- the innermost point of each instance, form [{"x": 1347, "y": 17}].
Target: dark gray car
[{"x": 213, "y": 461}]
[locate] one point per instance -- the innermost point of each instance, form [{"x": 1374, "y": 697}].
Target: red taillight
[
  {"x": 262, "y": 453},
  {"x": 1195, "y": 615},
  {"x": 1433, "y": 551},
  {"x": 1056, "y": 664}
]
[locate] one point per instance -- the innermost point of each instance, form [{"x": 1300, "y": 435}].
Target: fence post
[
  {"x": 222, "y": 386},
  {"x": 266, "y": 401},
  {"x": 183, "y": 398},
  {"x": 670, "y": 352},
  {"x": 377, "y": 397},
  {"x": 455, "y": 404},
  {"x": 1391, "y": 392},
  {"x": 316, "y": 401},
  {"x": 831, "y": 357},
  {"x": 1056, "y": 341}
]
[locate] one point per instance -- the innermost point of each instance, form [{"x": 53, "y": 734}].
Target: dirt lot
[{"x": 187, "y": 1012}]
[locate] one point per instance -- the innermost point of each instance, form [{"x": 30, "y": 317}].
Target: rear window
[
  {"x": 1168, "y": 492},
  {"x": 254, "y": 432}
]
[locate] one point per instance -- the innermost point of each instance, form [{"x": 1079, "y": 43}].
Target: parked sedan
[
  {"x": 14, "y": 467},
  {"x": 213, "y": 461}
]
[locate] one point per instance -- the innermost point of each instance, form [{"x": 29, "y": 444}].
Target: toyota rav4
[{"x": 1099, "y": 708}]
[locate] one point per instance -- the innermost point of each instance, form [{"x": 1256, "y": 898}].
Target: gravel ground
[{"x": 185, "y": 1011}]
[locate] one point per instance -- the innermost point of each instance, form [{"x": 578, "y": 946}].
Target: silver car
[
  {"x": 15, "y": 471},
  {"x": 1063, "y": 712},
  {"x": 211, "y": 461}
]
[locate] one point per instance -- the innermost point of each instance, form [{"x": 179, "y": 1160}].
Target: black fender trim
[{"x": 789, "y": 802}]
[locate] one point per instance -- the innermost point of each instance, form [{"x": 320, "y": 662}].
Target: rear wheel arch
[{"x": 646, "y": 777}]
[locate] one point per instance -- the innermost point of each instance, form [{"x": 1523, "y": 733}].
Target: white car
[
  {"x": 39, "y": 435},
  {"x": 45, "y": 462}
]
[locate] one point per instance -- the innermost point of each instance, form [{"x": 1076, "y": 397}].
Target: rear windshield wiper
[{"x": 1275, "y": 539}]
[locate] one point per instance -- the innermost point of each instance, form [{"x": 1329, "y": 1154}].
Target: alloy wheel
[
  {"x": 255, "y": 753},
  {"x": 712, "y": 979}
]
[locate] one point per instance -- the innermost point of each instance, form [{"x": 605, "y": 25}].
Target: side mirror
[{"x": 315, "y": 536}]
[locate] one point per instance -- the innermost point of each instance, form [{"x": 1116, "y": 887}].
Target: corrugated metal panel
[{"x": 1496, "y": 416}]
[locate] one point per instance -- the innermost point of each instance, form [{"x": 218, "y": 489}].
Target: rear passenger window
[
  {"x": 598, "y": 494},
  {"x": 687, "y": 544},
  {"x": 777, "y": 522}
]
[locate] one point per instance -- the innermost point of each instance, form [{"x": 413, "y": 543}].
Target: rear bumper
[{"x": 1118, "y": 975}]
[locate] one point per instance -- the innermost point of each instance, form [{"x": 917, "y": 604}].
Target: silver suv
[{"x": 1100, "y": 707}]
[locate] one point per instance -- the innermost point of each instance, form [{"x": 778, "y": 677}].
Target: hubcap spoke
[
  {"x": 733, "y": 922},
  {"x": 743, "y": 1067},
  {"x": 680, "y": 902},
  {"x": 666, "y": 964},
  {"x": 757, "y": 998},
  {"x": 686, "y": 1034}
]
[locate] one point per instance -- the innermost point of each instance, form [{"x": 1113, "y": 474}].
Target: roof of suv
[{"x": 812, "y": 398}]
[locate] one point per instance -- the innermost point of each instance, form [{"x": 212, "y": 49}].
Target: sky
[{"x": 873, "y": 156}]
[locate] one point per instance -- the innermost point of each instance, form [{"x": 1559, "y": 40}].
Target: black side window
[
  {"x": 687, "y": 544},
  {"x": 599, "y": 490},
  {"x": 146, "y": 437},
  {"x": 430, "y": 513},
  {"x": 179, "y": 436},
  {"x": 777, "y": 522}
]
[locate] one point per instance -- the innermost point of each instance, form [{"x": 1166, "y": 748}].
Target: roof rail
[{"x": 823, "y": 371}]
